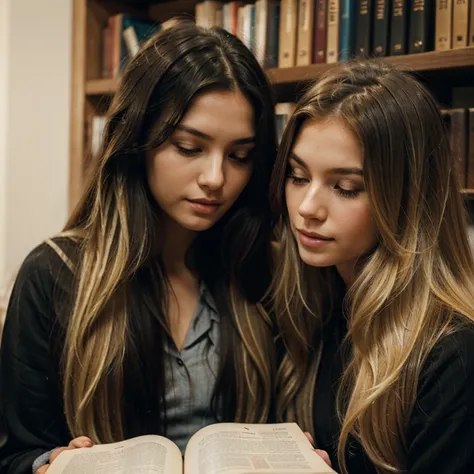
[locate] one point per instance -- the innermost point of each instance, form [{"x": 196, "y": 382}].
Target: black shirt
[{"x": 440, "y": 434}]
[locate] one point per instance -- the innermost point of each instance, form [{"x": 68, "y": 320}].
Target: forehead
[
  {"x": 221, "y": 114},
  {"x": 328, "y": 144}
]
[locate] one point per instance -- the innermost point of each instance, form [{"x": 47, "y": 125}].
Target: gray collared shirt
[{"x": 191, "y": 374}]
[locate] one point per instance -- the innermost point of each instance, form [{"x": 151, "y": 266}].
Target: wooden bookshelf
[
  {"x": 438, "y": 61},
  {"x": 433, "y": 61},
  {"x": 90, "y": 93}
]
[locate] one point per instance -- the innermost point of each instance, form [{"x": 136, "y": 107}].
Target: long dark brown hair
[
  {"x": 416, "y": 286},
  {"x": 114, "y": 377}
]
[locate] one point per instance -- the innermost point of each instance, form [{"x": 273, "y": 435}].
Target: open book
[{"x": 231, "y": 448}]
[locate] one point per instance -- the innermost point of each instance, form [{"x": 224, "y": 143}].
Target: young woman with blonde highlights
[
  {"x": 374, "y": 290},
  {"x": 142, "y": 316}
]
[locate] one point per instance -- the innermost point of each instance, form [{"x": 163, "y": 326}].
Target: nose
[
  {"x": 314, "y": 205},
  {"x": 212, "y": 174}
]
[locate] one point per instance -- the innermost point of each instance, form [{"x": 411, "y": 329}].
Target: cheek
[
  {"x": 293, "y": 200},
  {"x": 162, "y": 174},
  {"x": 237, "y": 179},
  {"x": 363, "y": 227}
]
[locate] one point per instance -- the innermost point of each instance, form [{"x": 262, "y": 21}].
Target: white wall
[
  {"x": 35, "y": 52},
  {"x": 4, "y": 60}
]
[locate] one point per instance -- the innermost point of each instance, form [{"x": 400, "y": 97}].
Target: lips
[
  {"x": 314, "y": 235},
  {"x": 206, "y": 202},
  {"x": 313, "y": 240},
  {"x": 204, "y": 206}
]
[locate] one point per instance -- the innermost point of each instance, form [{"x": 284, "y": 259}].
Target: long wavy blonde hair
[
  {"x": 113, "y": 369},
  {"x": 414, "y": 288}
]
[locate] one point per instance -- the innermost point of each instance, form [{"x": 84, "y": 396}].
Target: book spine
[
  {"x": 251, "y": 31},
  {"x": 471, "y": 23},
  {"x": 271, "y": 59},
  {"x": 347, "y": 30},
  {"x": 241, "y": 23},
  {"x": 460, "y": 24},
  {"x": 107, "y": 51},
  {"x": 198, "y": 17},
  {"x": 304, "y": 47},
  {"x": 459, "y": 142},
  {"x": 363, "y": 44},
  {"x": 332, "y": 46},
  {"x": 219, "y": 17},
  {"x": 399, "y": 28},
  {"x": 320, "y": 31},
  {"x": 421, "y": 28},
  {"x": 234, "y": 17},
  {"x": 131, "y": 40},
  {"x": 443, "y": 24},
  {"x": 226, "y": 17},
  {"x": 260, "y": 32},
  {"x": 470, "y": 159},
  {"x": 288, "y": 25},
  {"x": 381, "y": 28},
  {"x": 247, "y": 26}
]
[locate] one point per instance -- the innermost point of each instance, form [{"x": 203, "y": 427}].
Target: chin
[
  {"x": 197, "y": 224},
  {"x": 314, "y": 259}
]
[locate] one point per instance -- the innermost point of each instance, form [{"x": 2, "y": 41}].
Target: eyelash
[
  {"x": 347, "y": 194},
  {"x": 297, "y": 180},
  {"x": 342, "y": 192},
  {"x": 195, "y": 151}
]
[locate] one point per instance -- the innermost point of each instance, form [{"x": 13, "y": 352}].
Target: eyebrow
[
  {"x": 205, "y": 136},
  {"x": 341, "y": 171}
]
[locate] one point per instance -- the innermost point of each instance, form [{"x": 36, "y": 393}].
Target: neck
[
  {"x": 177, "y": 241},
  {"x": 347, "y": 272}
]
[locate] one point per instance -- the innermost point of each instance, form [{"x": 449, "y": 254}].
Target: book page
[
  {"x": 141, "y": 455},
  {"x": 246, "y": 448}
]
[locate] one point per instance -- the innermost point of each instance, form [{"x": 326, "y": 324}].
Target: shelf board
[
  {"x": 101, "y": 86},
  {"x": 432, "y": 62},
  {"x": 422, "y": 62},
  {"x": 468, "y": 193}
]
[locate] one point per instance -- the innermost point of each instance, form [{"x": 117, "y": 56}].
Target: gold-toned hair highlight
[{"x": 414, "y": 288}]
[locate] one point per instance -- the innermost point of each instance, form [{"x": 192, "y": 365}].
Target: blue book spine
[
  {"x": 252, "y": 29},
  {"x": 347, "y": 30}
]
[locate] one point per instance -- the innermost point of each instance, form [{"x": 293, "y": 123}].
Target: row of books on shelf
[
  {"x": 301, "y": 32},
  {"x": 122, "y": 37},
  {"x": 460, "y": 123}
]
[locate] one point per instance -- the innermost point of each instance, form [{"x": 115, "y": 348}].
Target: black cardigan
[
  {"x": 30, "y": 389},
  {"x": 440, "y": 434}
]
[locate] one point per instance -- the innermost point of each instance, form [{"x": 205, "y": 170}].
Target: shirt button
[{"x": 180, "y": 362}]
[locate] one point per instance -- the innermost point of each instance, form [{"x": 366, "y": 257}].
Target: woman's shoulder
[
  {"x": 52, "y": 254},
  {"x": 451, "y": 359},
  {"x": 52, "y": 261}
]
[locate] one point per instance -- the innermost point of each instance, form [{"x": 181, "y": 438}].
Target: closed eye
[
  {"x": 187, "y": 151},
  {"x": 241, "y": 158},
  {"x": 297, "y": 179},
  {"x": 347, "y": 193}
]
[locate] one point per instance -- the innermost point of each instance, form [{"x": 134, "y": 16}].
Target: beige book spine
[
  {"x": 443, "y": 27},
  {"x": 304, "y": 49},
  {"x": 332, "y": 47},
  {"x": 261, "y": 30},
  {"x": 287, "y": 38},
  {"x": 471, "y": 23},
  {"x": 460, "y": 23}
]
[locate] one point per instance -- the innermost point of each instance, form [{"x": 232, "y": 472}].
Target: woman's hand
[
  {"x": 322, "y": 454},
  {"x": 79, "y": 442}
]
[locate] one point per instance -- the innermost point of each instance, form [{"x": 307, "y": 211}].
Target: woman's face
[
  {"x": 201, "y": 170},
  {"x": 329, "y": 210}
]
